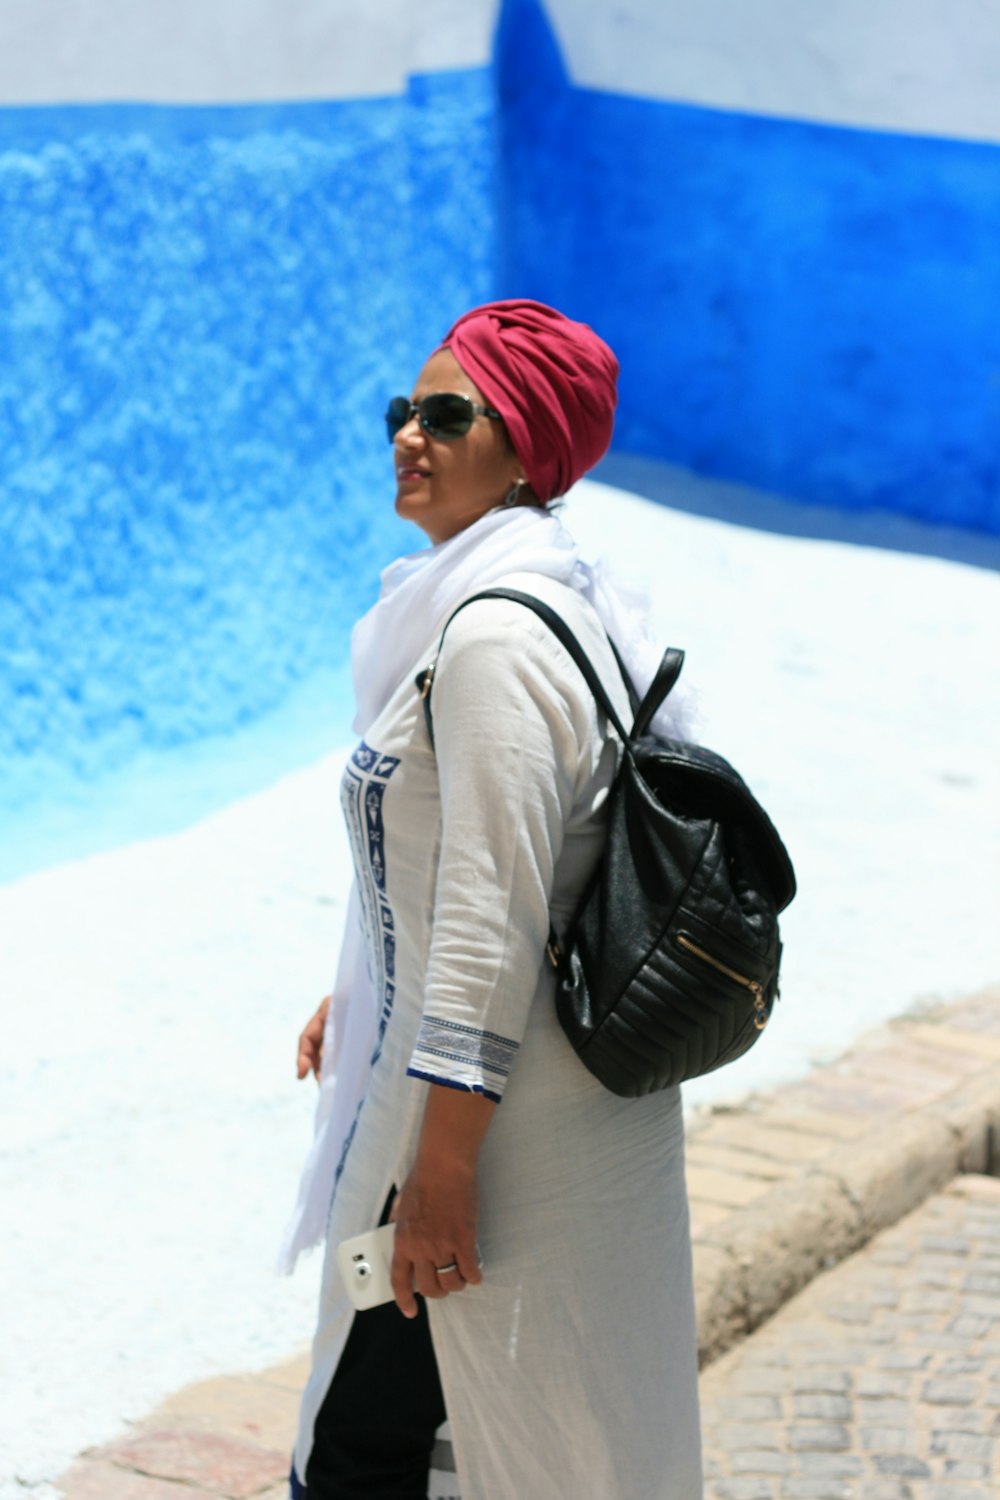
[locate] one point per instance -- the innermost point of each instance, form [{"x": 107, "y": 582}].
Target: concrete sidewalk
[{"x": 782, "y": 1188}]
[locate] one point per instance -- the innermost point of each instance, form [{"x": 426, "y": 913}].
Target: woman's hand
[
  {"x": 311, "y": 1042},
  {"x": 437, "y": 1209},
  {"x": 436, "y": 1213}
]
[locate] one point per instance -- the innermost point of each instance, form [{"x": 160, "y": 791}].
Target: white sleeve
[{"x": 507, "y": 738}]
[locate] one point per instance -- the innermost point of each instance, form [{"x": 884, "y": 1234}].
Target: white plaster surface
[
  {"x": 231, "y": 51},
  {"x": 922, "y": 66},
  {"x": 151, "y": 1129},
  {"x": 930, "y": 67}
]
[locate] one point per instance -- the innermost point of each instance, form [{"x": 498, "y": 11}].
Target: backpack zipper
[{"x": 753, "y": 985}]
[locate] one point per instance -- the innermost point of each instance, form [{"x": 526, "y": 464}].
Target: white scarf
[{"x": 418, "y": 593}]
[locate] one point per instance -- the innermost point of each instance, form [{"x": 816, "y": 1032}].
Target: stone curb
[{"x": 837, "y": 1158}]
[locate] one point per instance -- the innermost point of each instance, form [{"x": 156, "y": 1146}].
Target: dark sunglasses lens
[
  {"x": 397, "y": 415},
  {"x": 446, "y": 415}
]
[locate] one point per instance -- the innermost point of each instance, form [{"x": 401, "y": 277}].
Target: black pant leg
[{"x": 375, "y": 1430}]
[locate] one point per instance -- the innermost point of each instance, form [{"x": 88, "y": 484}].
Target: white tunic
[{"x": 572, "y": 1369}]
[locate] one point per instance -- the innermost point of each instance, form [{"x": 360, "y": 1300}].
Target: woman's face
[{"x": 446, "y": 484}]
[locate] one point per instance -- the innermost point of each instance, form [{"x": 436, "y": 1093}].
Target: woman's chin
[
  {"x": 405, "y": 503},
  {"x": 415, "y": 508}
]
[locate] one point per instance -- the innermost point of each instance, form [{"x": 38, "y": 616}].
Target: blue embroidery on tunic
[
  {"x": 362, "y": 792},
  {"x": 370, "y": 846},
  {"x": 454, "y": 1042}
]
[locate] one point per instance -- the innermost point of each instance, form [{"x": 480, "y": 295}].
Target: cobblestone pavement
[{"x": 880, "y": 1381}]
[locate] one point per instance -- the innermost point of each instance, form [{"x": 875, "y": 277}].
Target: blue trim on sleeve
[
  {"x": 452, "y": 1083},
  {"x": 466, "y": 1046}
]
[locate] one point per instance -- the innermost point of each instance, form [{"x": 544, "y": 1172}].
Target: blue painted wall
[
  {"x": 806, "y": 308},
  {"x": 200, "y": 312}
]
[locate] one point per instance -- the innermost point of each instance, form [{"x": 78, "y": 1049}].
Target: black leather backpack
[{"x": 669, "y": 968}]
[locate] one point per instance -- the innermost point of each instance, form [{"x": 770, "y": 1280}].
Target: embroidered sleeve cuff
[{"x": 462, "y": 1057}]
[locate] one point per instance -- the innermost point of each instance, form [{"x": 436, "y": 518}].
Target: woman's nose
[{"x": 411, "y": 432}]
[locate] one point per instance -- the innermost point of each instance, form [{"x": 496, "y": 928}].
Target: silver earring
[{"x": 513, "y": 495}]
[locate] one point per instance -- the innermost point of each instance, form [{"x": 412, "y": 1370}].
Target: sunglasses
[{"x": 446, "y": 414}]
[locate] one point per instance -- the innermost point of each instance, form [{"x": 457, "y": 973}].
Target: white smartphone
[{"x": 365, "y": 1264}]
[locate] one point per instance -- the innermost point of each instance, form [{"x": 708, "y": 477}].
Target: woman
[{"x": 566, "y": 1364}]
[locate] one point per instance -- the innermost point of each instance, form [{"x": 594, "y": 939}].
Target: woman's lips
[{"x": 411, "y": 475}]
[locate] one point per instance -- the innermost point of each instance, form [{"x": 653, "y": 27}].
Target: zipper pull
[
  {"x": 760, "y": 1017},
  {"x": 428, "y": 679}
]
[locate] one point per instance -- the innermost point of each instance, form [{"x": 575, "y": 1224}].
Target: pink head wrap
[{"x": 552, "y": 381}]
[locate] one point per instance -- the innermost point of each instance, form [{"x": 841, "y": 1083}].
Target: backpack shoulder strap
[
  {"x": 559, "y": 628},
  {"x": 667, "y": 674},
  {"x": 633, "y": 696}
]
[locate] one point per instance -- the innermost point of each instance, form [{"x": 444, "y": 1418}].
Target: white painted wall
[
  {"x": 930, "y": 67},
  {"x": 231, "y": 51},
  {"x": 919, "y": 66}
]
